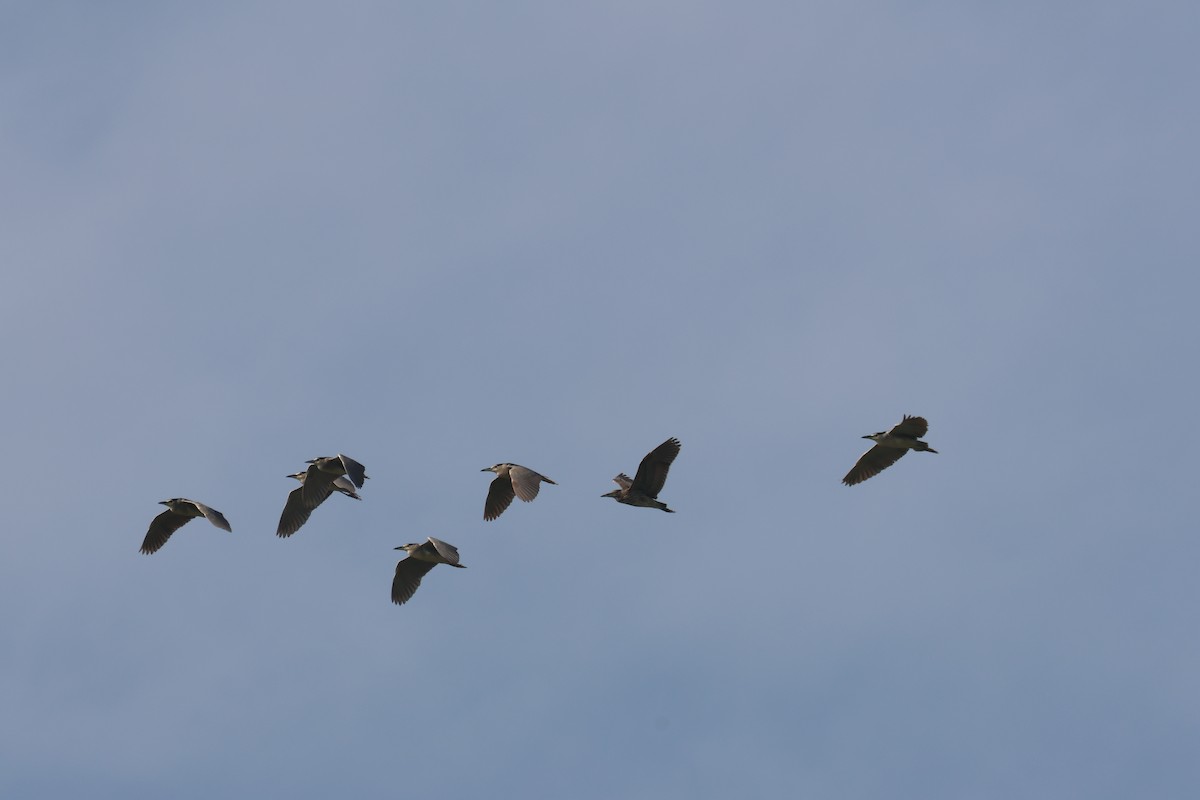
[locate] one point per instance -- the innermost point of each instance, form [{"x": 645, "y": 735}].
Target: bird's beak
[
  {"x": 162, "y": 502},
  {"x": 486, "y": 469},
  {"x": 866, "y": 437}
]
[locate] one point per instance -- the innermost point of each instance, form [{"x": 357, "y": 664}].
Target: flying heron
[
  {"x": 325, "y": 470},
  {"x": 511, "y": 480},
  {"x": 317, "y": 483},
  {"x": 179, "y": 512},
  {"x": 890, "y": 447},
  {"x": 643, "y": 489},
  {"x": 422, "y": 557},
  {"x": 298, "y": 507}
]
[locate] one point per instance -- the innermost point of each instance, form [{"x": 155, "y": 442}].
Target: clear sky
[{"x": 236, "y": 236}]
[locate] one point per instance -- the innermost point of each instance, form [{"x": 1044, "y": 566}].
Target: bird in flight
[
  {"x": 325, "y": 470},
  {"x": 180, "y": 511},
  {"x": 890, "y": 447},
  {"x": 512, "y": 480},
  {"x": 323, "y": 477},
  {"x": 642, "y": 490},
  {"x": 422, "y": 557}
]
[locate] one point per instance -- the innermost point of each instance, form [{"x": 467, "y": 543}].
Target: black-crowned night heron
[
  {"x": 323, "y": 477},
  {"x": 180, "y": 511},
  {"x": 643, "y": 489},
  {"x": 512, "y": 480},
  {"x": 422, "y": 557},
  {"x": 890, "y": 447},
  {"x": 325, "y": 470}
]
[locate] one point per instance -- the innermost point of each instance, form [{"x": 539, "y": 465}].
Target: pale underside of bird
[
  {"x": 180, "y": 511},
  {"x": 890, "y": 447},
  {"x": 323, "y": 477},
  {"x": 422, "y": 557},
  {"x": 643, "y": 488},
  {"x": 512, "y": 480}
]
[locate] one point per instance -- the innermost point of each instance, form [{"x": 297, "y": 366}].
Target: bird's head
[
  {"x": 875, "y": 437},
  {"x": 408, "y": 548},
  {"x": 298, "y": 475},
  {"x": 613, "y": 494}
]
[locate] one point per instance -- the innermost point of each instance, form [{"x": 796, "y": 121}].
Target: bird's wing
[
  {"x": 915, "y": 427},
  {"x": 873, "y": 462},
  {"x": 652, "y": 472},
  {"x": 213, "y": 516},
  {"x": 356, "y": 471},
  {"x": 500, "y": 497},
  {"x": 445, "y": 550},
  {"x": 299, "y": 507},
  {"x": 408, "y": 577},
  {"x": 318, "y": 485},
  {"x": 161, "y": 528},
  {"x": 623, "y": 480},
  {"x": 345, "y": 487},
  {"x": 526, "y": 482}
]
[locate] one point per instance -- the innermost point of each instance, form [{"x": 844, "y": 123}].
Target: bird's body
[
  {"x": 512, "y": 480},
  {"x": 642, "y": 489},
  {"x": 340, "y": 484},
  {"x": 890, "y": 447},
  {"x": 180, "y": 511},
  {"x": 422, "y": 557},
  {"x": 323, "y": 477}
]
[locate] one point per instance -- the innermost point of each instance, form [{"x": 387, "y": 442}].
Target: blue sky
[{"x": 240, "y": 235}]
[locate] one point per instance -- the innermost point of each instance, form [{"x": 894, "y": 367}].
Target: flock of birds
[{"x": 343, "y": 474}]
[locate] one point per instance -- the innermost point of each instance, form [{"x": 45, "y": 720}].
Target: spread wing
[
  {"x": 317, "y": 486},
  {"x": 526, "y": 482},
  {"x": 873, "y": 462},
  {"x": 500, "y": 497},
  {"x": 356, "y": 471},
  {"x": 446, "y": 551},
  {"x": 408, "y": 577},
  {"x": 915, "y": 427},
  {"x": 300, "y": 506},
  {"x": 161, "y": 528},
  {"x": 623, "y": 480},
  {"x": 652, "y": 472},
  {"x": 213, "y": 516}
]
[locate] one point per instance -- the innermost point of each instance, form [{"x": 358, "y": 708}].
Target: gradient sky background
[{"x": 236, "y": 236}]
